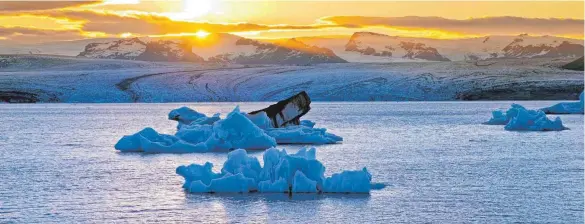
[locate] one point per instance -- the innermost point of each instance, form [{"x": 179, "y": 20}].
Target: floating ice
[
  {"x": 519, "y": 118},
  {"x": 308, "y": 123},
  {"x": 234, "y": 132},
  {"x": 295, "y": 173},
  {"x": 148, "y": 140},
  {"x": 260, "y": 119},
  {"x": 185, "y": 115},
  {"x": 199, "y": 133},
  {"x": 300, "y": 134},
  {"x": 305, "y": 133},
  {"x": 566, "y": 107}
]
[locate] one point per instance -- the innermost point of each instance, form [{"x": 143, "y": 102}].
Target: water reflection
[{"x": 257, "y": 207}]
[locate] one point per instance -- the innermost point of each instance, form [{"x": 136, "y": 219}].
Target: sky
[{"x": 50, "y": 20}]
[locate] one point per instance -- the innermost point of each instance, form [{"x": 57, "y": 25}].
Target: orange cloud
[
  {"x": 505, "y": 25},
  {"x": 8, "y": 6},
  {"x": 154, "y": 24},
  {"x": 26, "y": 34}
]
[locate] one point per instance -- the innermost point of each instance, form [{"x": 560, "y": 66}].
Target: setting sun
[{"x": 201, "y": 34}]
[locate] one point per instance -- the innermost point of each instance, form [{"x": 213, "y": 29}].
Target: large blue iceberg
[
  {"x": 282, "y": 172},
  {"x": 518, "y": 118},
  {"x": 199, "y": 133},
  {"x": 566, "y": 107}
]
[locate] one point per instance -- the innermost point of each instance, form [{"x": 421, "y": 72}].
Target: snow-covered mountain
[
  {"x": 360, "y": 47},
  {"x": 381, "y": 45},
  {"x": 226, "y": 48},
  {"x": 374, "y": 47},
  {"x": 547, "y": 46},
  {"x": 136, "y": 49}
]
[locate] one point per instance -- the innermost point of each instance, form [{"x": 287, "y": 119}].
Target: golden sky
[{"x": 49, "y": 20}]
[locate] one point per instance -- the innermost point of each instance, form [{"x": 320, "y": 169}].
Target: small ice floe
[
  {"x": 282, "y": 173},
  {"x": 148, "y": 140},
  {"x": 253, "y": 131},
  {"x": 566, "y": 107},
  {"x": 518, "y": 118}
]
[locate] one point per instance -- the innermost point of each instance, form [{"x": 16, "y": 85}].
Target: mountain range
[{"x": 359, "y": 47}]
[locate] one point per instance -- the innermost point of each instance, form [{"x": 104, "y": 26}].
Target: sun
[
  {"x": 196, "y": 8},
  {"x": 201, "y": 34}
]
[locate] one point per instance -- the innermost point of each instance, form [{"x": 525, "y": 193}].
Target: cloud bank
[{"x": 490, "y": 25}]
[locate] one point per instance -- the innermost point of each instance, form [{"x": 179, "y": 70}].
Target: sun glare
[
  {"x": 201, "y": 34},
  {"x": 125, "y": 35}
]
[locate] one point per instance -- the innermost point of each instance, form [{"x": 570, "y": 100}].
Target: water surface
[{"x": 57, "y": 164}]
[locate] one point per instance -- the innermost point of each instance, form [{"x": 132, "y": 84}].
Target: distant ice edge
[{"x": 282, "y": 173}]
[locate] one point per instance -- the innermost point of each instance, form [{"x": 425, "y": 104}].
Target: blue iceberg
[
  {"x": 282, "y": 172},
  {"x": 518, "y": 118},
  {"x": 566, "y": 107},
  {"x": 199, "y": 133}
]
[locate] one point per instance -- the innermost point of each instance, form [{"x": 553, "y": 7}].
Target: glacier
[
  {"x": 37, "y": 78},
  {"x": 518, "y": 118},
  {"x": 566, "y": 107},
  {"x": 197, "y": 132},
  {"x": 282, "y": 173}
]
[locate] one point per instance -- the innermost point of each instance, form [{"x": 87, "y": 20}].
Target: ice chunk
[
  {"x": 308, "y": 123},
  {"x": 195, "y": 133},
  {"x": 239, "y": 162},
  {"x": 148, "y": 140},
  {"x": 231, "y": 183},
  {"x": 566, "y": 107},
  {"x": 519, "y": 118},
  {"x": 278, "y": 186},
  {"x": 196, "y": 172},
  {"x": 234, "y": 132},
  {"x": 294, "y": 173},
  {"x": 185, "y": 115},
  {"x": 302, "y": 184},
  {"x": 348, "y": 181},
  {"x": 498, "y": 118},
  {"x": 260, "y": 119},
  {"x": 300, "y": 134}
]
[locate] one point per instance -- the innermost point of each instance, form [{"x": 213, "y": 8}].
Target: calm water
[{"x": 57, "y": 164}]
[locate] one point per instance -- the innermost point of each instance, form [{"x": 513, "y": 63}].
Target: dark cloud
[
  {"x": 12, "y": 6},
  {"x": 488, "y": 25}
]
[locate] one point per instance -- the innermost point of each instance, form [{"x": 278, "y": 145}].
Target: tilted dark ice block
[{"x": 288, "y": 111}]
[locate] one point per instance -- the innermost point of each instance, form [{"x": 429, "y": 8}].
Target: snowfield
[{"x": 28, "y": 78}]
